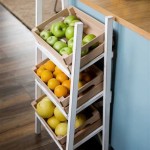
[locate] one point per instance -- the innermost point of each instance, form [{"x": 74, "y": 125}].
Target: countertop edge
[{"x": 118, "y": 19}]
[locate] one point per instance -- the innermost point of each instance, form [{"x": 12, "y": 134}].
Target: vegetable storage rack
[{"x": 72, "y": 71}]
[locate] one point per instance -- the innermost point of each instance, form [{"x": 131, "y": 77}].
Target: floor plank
[{"x": 17, "y": 88}]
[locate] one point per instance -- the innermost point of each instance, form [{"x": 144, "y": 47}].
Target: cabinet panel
[{"x": 130, "y": 123}]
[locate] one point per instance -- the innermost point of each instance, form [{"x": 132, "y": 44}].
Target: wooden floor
[{"x": 17, "y": 89}]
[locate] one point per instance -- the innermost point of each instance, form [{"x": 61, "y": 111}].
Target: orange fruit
[
  {"x": 46, "y": 75},
  {"x": 55, "y": 74},
  {"x": 49, "y": 65},
  {"x": 39, "y": 71},
  {"x": 60, "y": 91},
  {"x": 42, "y": 67},
  {"x": 58, "y": 70},
  {"x": 52, "y": 83},
  {"x": 67, "y": 84},
  {"x": 87, "y": 77},
  {"x": 61, "y": 77}
]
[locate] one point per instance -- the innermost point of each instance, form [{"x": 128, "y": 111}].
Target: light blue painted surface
[{"x": 131, "y": 110}]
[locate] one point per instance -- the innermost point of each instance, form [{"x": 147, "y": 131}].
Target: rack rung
[
  {"x": 88, "y": 137},
  {"x": 89, "y": 102}
]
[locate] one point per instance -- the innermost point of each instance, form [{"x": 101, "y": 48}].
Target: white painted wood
[
  {"x": 74, "y": 84},
  {"x": 64, "y": 4},
  {"x": 58, "y": 144},
  {"x": 99, "y": 137},
  {"x": 89, "y": 102},
  {"x": 38, "y": 58},
  {"x": 38, "y": 55},
  {"x": 107, "y": 80},
  {"x": 88, "y": 137},
  {"x": 38, "y": 11},
  {"x": 38, "y": 20},
  {"x": 37, "y": 125}
]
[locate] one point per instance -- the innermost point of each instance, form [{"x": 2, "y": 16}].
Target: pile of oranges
[{"x": 57, "y": 81}]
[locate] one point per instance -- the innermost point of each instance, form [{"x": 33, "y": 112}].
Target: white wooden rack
[{"x": 106, "y": 93}]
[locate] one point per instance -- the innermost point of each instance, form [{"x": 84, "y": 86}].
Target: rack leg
[
  {"x": 100, "y": 137},
  {"x": 107, "y": 80},
  {"x": 37, "y": 125},
  {"x": 64, "y": 4},
  {"x": 38, "y": 11},
  {"x": 74, "y": 84},
  {"x": 38, "y": 92},
  {"x": 38, "y": 57}
]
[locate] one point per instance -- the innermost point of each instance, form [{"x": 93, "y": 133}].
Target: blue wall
[{"x": 131, "y": 109}]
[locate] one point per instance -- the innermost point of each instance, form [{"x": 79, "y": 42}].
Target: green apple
[
  {"x": 80, "y": 120},
  {"x": 70, "y": 42},
  {"x": 59, "y": 115},
  {"x": 52, "y": 40},
  {"x": 52, "y": 26},
  {"x": 59, "y": 29},
  {"x": 83, "y": 43},
  {"x": 59, "y": 45},
  {"x": 45, "y": 34},
  {"x": 65, "y": 50},
  {"x": 88, "y": 38},
  {"x": 73, "y": 22},
  {"x": 45, "y": 108},
  {"x": 69, "y": 19},
  {"x": 69, "y": 32},
  {"x": 53, "y": 122},
  {"x": 61, "y": 129},
  {"x": 84, "y": 52}
]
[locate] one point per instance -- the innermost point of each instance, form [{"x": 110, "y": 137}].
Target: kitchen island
[
  {"x": 130, "y": 127},
  {"x": 132, "y": 14}
]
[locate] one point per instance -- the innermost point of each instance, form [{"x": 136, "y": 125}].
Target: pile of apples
[
  {"x": 54, "y": 118},
  {"x": 57, "y": 81},
  {"x": 60, "y": 36}
]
